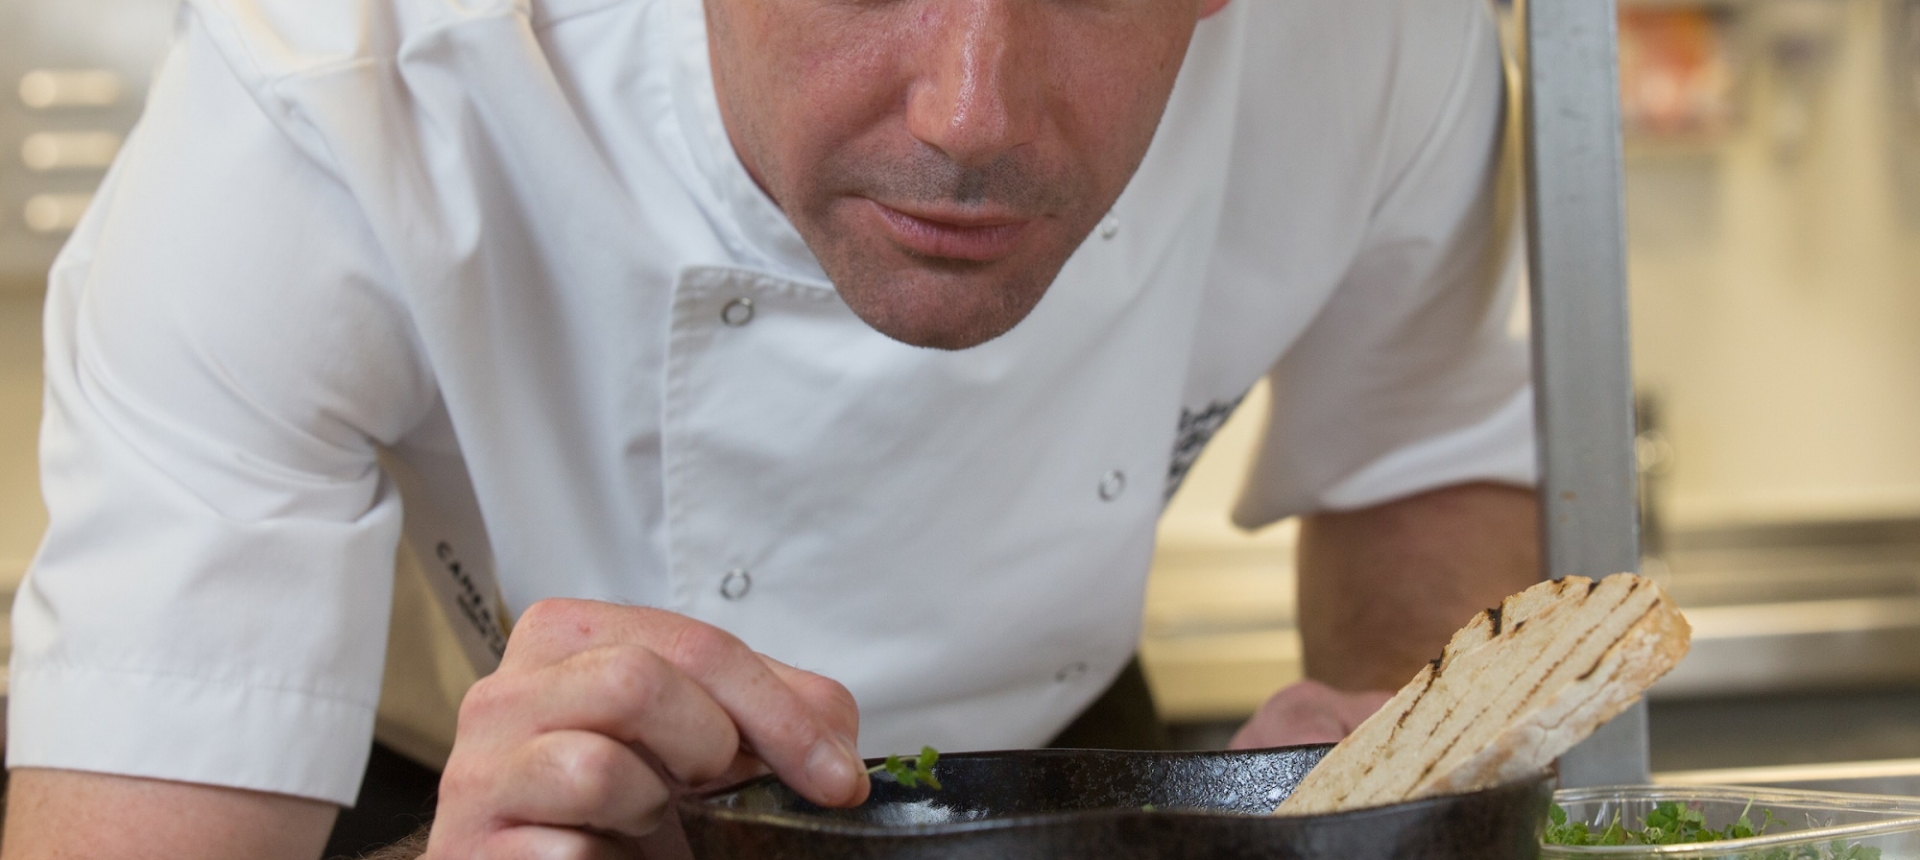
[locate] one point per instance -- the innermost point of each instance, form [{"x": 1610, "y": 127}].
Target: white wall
[{"x": 1776, "y": 300}]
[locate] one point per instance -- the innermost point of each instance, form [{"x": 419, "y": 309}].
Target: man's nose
[{"x": 979, "y": 89}]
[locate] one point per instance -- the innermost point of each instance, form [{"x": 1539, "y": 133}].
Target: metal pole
[{"x": 1583, "y": 384}]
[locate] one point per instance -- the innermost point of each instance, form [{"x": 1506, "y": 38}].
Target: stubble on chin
[
  {"x": 939, "y": 304},
  {"x": 932, "y": 302}
]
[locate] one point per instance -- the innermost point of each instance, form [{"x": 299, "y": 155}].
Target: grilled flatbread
[{"x": 1519, "y": 685}]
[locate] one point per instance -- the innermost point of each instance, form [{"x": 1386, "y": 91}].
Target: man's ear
[{"x": 1208, "y": 7}]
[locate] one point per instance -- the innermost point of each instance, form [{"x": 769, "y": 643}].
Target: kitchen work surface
[
  {"x": 1793, "y": 729},
  {"x": 1894, "y": 777}
]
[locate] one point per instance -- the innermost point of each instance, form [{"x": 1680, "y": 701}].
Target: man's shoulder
[
  {"x": 277, "y": 39},
  {"x": 1378, "y": 21},
  {"x": 1360, "y": 41},
  {"x": 1361, "y": 84}
]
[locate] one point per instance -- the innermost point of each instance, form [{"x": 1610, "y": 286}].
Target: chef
[{"x": 803, "y": 378}]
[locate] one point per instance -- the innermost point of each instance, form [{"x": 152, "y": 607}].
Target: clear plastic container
[{"x": 1810, "y": 825}]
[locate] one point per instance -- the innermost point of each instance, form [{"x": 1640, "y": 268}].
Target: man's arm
[
  {"x": 573, "y": 748},
  {"x": 59, "y": 814},
  {"x": 1383, "y": 588},
  {"x": 1381, "y": 591}
]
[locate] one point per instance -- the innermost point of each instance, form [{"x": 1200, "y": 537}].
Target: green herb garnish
[
  {"x": 911, "y": 772},
  {"x": 1674, "y": 824}
]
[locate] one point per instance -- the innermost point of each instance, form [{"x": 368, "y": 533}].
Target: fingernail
[{"x": 834, "y": 769}]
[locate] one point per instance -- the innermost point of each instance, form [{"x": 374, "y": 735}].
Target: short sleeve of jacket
[
  {"x": 1409, "y": 377},
  {"x": 224, "y": 358}
]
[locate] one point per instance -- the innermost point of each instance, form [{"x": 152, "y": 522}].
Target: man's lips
[{"x": 975, "y": 237}]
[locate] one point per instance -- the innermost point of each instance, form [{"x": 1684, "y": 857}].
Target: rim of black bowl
[{"x": 701, "y": 804}]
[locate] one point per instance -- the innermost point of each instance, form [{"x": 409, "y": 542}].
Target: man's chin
[{"x": 941, "y": 312}]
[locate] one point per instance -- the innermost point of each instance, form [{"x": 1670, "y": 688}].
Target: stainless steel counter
[
  {"x": 1897, "y": 777},
  {"x": 1795, "y": 607}
]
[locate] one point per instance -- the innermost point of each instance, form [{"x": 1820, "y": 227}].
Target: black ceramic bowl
[{"x": 1098, "y": 805}]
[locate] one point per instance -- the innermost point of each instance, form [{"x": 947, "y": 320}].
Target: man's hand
[
  {"x": 1382, "y": 589},
  {"x": 1308, "y": 712},
  {"x": 598, "y": 713}
]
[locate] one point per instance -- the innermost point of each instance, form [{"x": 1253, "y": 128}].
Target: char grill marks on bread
[{"x": 1519, "y": 685}]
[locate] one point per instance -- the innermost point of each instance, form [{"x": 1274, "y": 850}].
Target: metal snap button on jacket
[
  {"x": 737, "y": 313},
  {"x": 1112, "y": 485},
  {"x": 736, "y": 584}
]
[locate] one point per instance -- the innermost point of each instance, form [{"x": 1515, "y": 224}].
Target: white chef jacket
[{"x": 470, "y": 260}]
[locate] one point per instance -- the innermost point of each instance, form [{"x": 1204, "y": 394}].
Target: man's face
[{"x": 943, "y": 158}]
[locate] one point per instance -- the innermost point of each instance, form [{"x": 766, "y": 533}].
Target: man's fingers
[
  {"x": 745, "y": 766},
  {"x": 1263, "y": 731},
  {"x": 830, "y": 699},
  {"x": 833, "y": 704},
  {"x": 548, "y": 843},
  {"x": 631, "y": 694},
  {"x": 580, "y": 779},
  {"x": 1355, "y": 708},
  {"x": 552, "y": 630},
  {"x": 811, "y": 751},
  {"x": 783, "y": 730},
  {"x": 1307, "y": 712}
]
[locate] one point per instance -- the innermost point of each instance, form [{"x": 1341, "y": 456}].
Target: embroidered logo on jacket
[{"x": 1196, "y": 430}]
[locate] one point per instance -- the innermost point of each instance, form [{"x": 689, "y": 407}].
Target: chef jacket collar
[{"x": 761, "y": 236}]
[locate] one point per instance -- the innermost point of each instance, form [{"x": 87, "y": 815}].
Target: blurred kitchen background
[
  {"x": 1773, "y": 193},
  {"x": 1774, "y": 205}
]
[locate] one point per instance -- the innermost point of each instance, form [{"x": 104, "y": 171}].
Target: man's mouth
[{"x": 953, "y": 234}]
